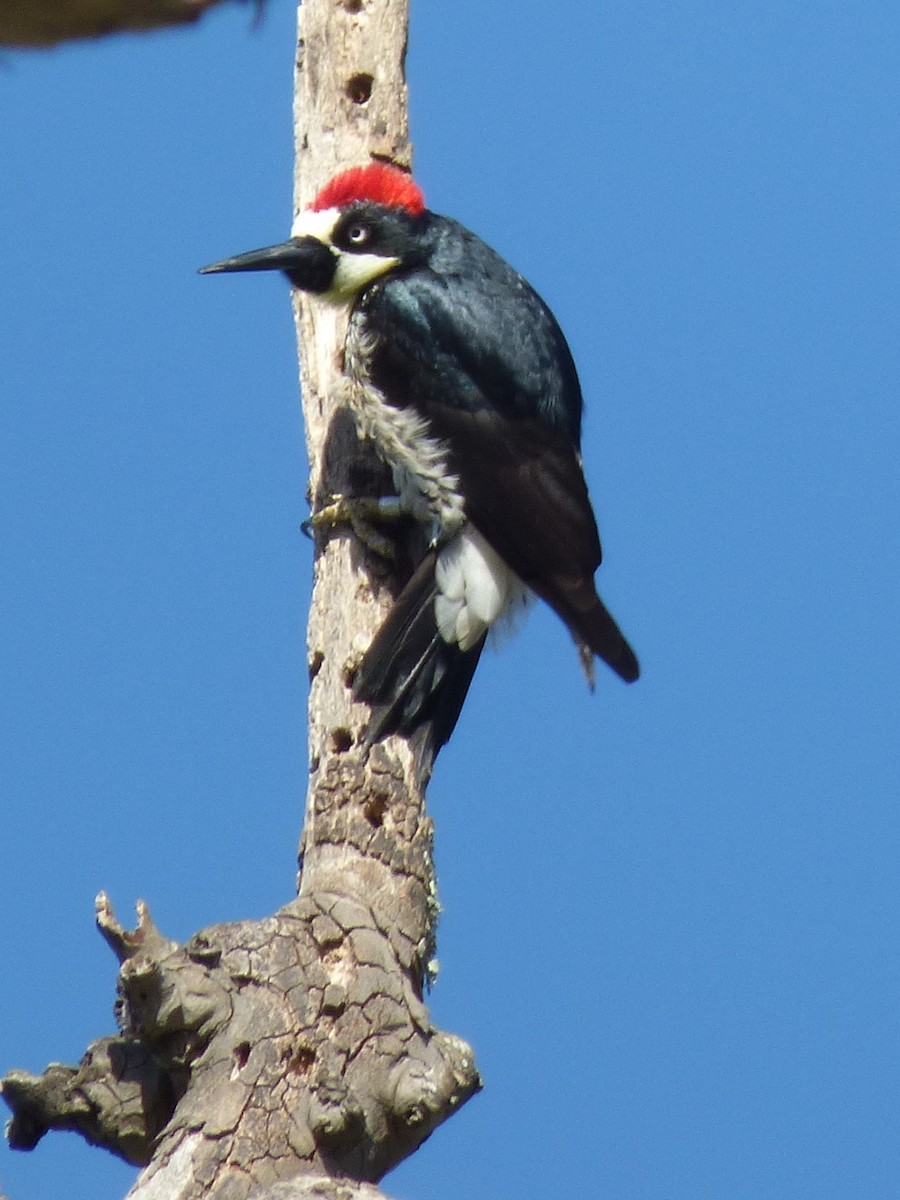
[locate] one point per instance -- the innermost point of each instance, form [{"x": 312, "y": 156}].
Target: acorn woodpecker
[{"x": 460, "y": 375}]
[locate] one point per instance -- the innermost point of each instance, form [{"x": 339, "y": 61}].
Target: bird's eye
[{"x": 358, "y": 235}]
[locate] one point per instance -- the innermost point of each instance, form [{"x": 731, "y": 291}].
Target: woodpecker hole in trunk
[
  {"x": 341, "y": 740},
  {"x": 359, "y": 87},
  {"x": 374, "y": 810},
  {"x": 302, "y": 1060}
]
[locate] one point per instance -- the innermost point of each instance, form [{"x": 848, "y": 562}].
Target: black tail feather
[
  {"x": 592, "y": 625},
  {"x": 605, "y": 638},
  {"x": 414, "y": 681}
]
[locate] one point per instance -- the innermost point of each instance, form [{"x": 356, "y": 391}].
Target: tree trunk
[{"x": 276, "y": 1058}]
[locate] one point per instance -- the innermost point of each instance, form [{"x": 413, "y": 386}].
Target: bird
[{"x": 461, "y": 376}]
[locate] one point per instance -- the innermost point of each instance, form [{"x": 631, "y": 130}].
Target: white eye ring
[{"x": 358, "y": 235}]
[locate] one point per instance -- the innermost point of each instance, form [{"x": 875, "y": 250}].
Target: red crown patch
[{"x": 378, "y": 183}]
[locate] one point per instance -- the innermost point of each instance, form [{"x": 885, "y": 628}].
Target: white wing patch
[{"x": 475, "y": 588}]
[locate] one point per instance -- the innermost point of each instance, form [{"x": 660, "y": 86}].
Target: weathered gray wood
[{"x": 350, "y": 106}]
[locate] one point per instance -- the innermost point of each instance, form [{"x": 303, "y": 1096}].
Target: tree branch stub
[{"x": 36, "y": 23}]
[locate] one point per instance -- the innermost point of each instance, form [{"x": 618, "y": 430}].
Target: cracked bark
[{"x": 294, "y": 1056}]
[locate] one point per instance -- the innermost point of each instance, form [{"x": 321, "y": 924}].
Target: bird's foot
[{"x": 363, "y": 514}]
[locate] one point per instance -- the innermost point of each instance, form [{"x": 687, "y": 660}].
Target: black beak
[{"x": 308, "y": 263}]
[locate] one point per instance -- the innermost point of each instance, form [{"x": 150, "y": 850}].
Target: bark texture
[{"x": 294, "y": 1056}]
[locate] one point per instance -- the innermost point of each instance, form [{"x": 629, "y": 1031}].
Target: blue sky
[{"x": 670, "y": 911}]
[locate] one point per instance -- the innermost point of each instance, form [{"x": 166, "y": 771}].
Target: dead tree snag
[{"x": 294, "y": 1056}]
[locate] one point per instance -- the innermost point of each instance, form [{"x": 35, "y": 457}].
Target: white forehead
[{"x": 316, "y": 224}]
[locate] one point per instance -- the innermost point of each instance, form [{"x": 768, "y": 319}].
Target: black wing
[{"x": 486, "y": 363}]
